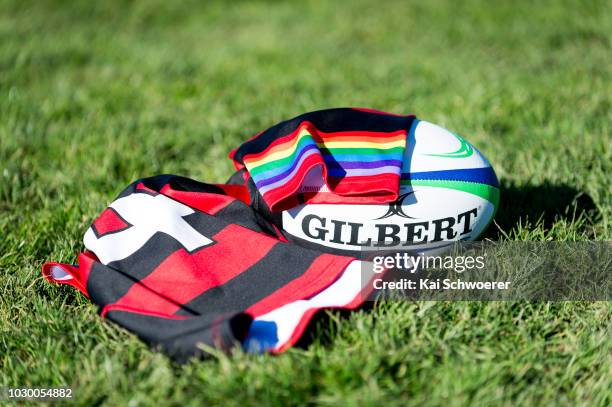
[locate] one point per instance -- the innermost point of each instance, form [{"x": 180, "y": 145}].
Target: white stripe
[{"x": 338, "y": 294}]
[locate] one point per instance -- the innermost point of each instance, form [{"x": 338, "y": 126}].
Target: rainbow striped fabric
[{"x": 342, "y": 155}]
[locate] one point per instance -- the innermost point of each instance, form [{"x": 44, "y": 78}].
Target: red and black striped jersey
[{"x": 183, "y": 263}]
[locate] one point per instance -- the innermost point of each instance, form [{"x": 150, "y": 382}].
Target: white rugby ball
[{"x": 449, "y": 192}]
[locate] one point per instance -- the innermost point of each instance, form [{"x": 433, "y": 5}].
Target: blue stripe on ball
[{"x": 484, "y": 175}]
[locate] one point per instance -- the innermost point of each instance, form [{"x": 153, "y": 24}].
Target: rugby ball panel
[{"x": 430, "y": 147}]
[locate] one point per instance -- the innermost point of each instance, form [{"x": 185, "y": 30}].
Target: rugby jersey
[{"x": 183, "y": 264}]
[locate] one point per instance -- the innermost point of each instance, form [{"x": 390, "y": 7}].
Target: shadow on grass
[
  {"x": 320, "y": 329},
  {"x": 519, "y": 204},
  {"x": 547, "y": 203}
]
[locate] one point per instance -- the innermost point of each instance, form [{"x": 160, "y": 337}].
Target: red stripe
[
  {"x": 276, "y": 195},
  {"x": 278, "y": 144},
  {"x": 320, "y": 275},
  {"x": 380, "y": 185},
  {"x": 182, "y": 276},
  {"x": 203, "y": 201},
  {"x": 240, "y": 192},
  {"x": 143, "y": 187},
  {"x": 370, "y": 136},
  {"x": 331, "y": 198}
]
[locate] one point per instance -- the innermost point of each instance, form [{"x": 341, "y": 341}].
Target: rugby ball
[{"x": 448, "y": 192}]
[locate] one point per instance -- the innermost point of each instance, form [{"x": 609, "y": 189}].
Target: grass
[{"x": 95, "y": 95}]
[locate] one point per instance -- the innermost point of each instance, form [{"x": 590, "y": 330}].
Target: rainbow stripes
[{"x": 358, "y": 153}]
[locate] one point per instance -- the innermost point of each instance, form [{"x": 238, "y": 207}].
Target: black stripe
[
  {"x": 237, "y": 178},
  {"x": 241, "y": 214},
  {"x": 329, "y": 120},
  {"x": 107, "y": 284},
  {"x": 283, "y": 264},
  {"x": 190, "y": 185},
  {"x": 176, "y": 182},
  {"x": 180, "y": 339},
  {"x": 206, "y": 224}
]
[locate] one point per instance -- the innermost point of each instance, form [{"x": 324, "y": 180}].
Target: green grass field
[{"x": 96, "y": 95}]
